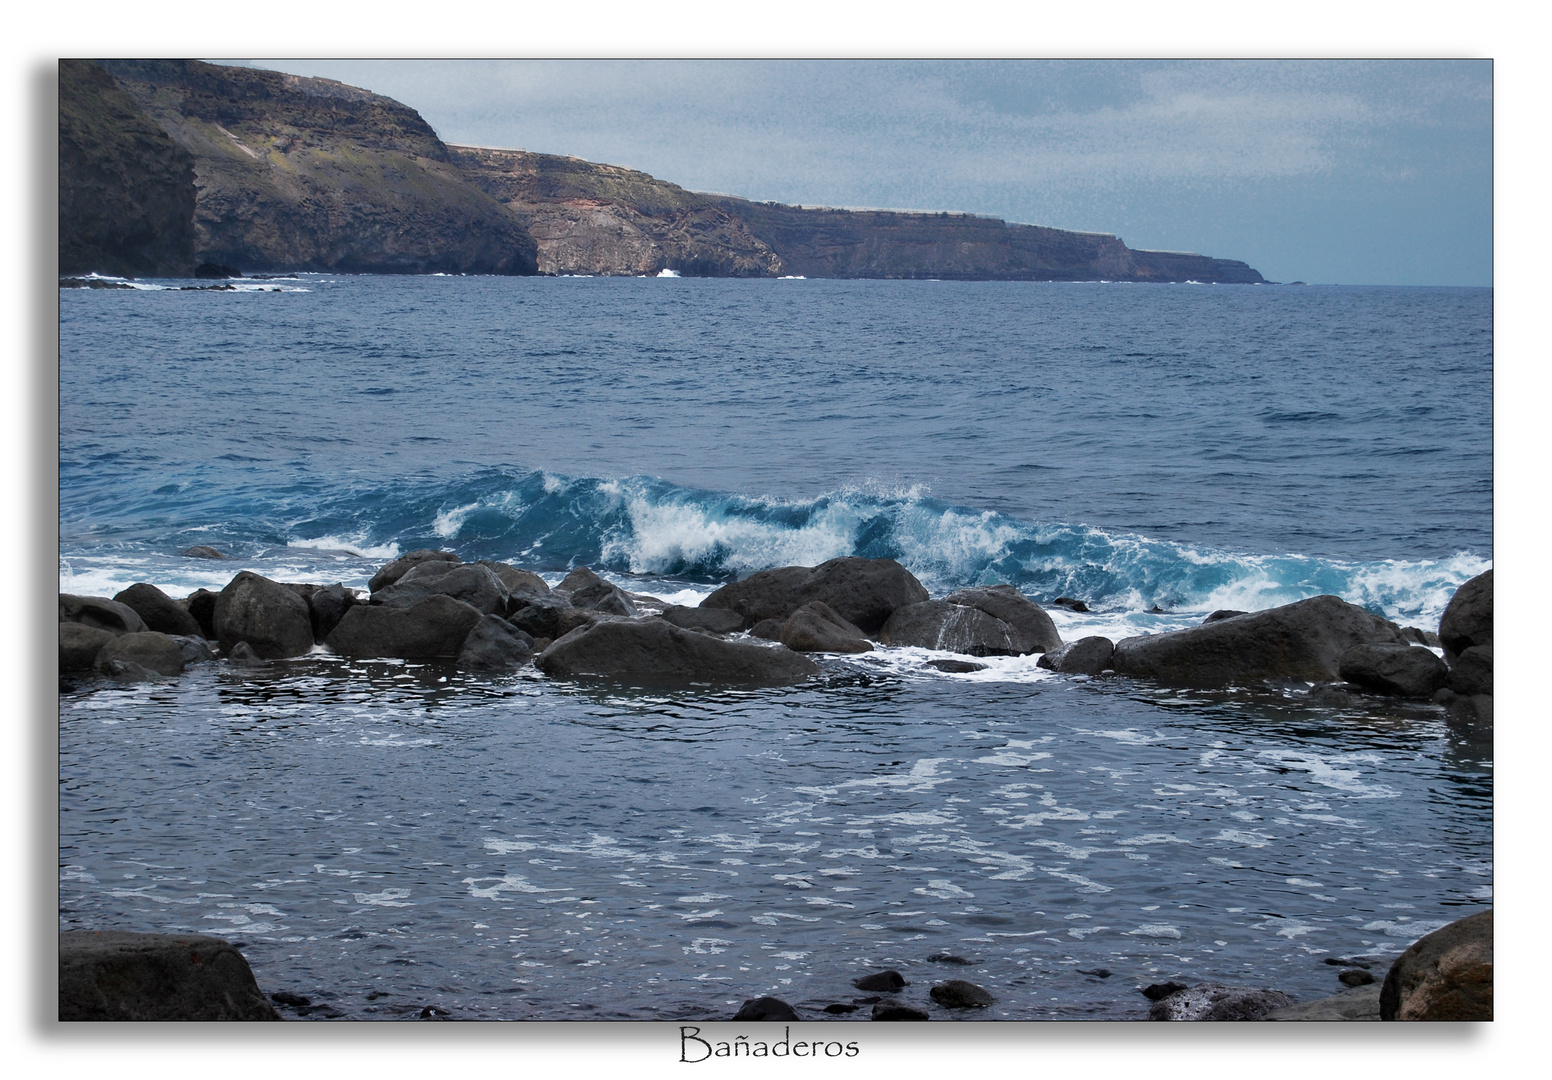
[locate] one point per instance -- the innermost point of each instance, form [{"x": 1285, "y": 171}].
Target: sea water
[{"x": 385, "y": 837}]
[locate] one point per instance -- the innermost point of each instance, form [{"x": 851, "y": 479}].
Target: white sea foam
[{"x": 356, "y": 546}]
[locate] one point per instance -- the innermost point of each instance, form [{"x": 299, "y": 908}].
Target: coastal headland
[{"x": 169, "y": 165}]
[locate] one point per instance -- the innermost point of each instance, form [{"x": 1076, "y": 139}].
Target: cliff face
[
  {"x": 126, "y": 190},
  {"x": 603, "y": 219},
  {"x": 311, "y": 174}
]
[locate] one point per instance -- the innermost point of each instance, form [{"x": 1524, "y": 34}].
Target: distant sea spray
[{"x": 648, "y": 526}]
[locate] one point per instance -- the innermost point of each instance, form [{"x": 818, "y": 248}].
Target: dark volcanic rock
[
  {"x": 1223, "y": 613},
  {"x": 111, "y": 975},
  {"x": 201, "y": 604},
  {"x": 937, "y": 624},
  {"x": 157, "y": 610},
  {"x": 1447, "y": 975},
  {"x": 436, "y": 626},
  {"x": 955, "y": 667},
  {"x": 264, "y": 613},
  {"x": 1468, "y": 619},
  {"x": 862, "y": 591},
  {"x": 886, "y": 981},
  {"x": 1070, "y": 604},
  {"x": 518, "y": 582},
  {"x": 815, "y": 627},
  {"x": 891, "y": 1010},
  {"x": 541, "y": 616},
  {"x": 495, "y": 645},
  {"x": 79, "y": 645},
  {"x": 1354, "y": 977},
  {"x": 1304, "y": 641},
  {"x": 1160, "y": 991},
  {"x": 148, "y": 649},
  {"x": 1086, "y": 656},
  {"x": 579, "y": 578},
  {"x": 99, "y": 611},
  {"x": 1033, "y": 630},
  {"x": 405, "y": 563},
  {"x": 767, "y": 629},
  {"x": 604, "y": 598},
  {"x": 1209, "y": 1001},
  {"x": 1399, "y": 670},
  {"x": 948, "y": 958},
  {"x": 717, "y": 620},
  {"x": 478, "y": 586},
  {"x": 328, "y": 606},
  {"x": 959, "y": 994},
  {"x": 1472, "y": 672},
  {"x": 766, "y": 1008},
  {"x": 126, "y": 189},
  {"x": 1358, "y": 1004},
  {"x": 653, "y": 652},
  {"x": 200, "y": 551}
]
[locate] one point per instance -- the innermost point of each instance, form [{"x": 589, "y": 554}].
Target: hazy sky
[{"x": 1353, "y": 172}]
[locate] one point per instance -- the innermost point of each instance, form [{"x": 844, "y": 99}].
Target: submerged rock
[
  {"x": 959, "y": 994},
  {"x": 653, "y": 652},
  {"x": 1299, "y": 641},
  {"x": 892, "y": 1010},
  {"x": 766, "y": 1008},
  {"x": 1447, "y": 975},
  {"x": 1032, "y": 629},
  {"x": 886, "y": 981},
  {"x": 864, "y": 592},
  {"x": 112, "y": 975},
  {"x": 1210, "y": 1001},
  {"x": 1358, "y": 1004}
]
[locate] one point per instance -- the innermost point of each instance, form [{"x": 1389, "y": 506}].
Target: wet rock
[
  {"x": 815, "y": 627},
  {"x": 1477, "y": 709},
  {"x": 112, "y": 975},
  {"x": 1070, "y": 604},
  {"x": 947, "y": 958},
  {"x": 1160, "y": 991},
  {"x": 653, "y": 652},
  {"x": 1358, "y": 1004},
  {"x": 959, "y": 994},
  {"x": 100, "y": 612},
  {"x": 157, "y": 610},
  {"x": 885, "y": 981},
  {"x": 1299, "y": 641},
  {"x": 1447, "y": 975},
  {"x": 1223, "y": 613},
  {"x": 1345, "y": 962},
  {"x": 1086, "y": 656},
  {"x": 328, "y": 606},
  {"x": 79, "y": 645},
  {"x": 148, "y": 649},
  {"x": 1397, "y": 670},
  {"x": 604, "y": 598},
  {"x": 194, "y": 648},
  {"x": 766, "y": 1008},
  {"x": 1209, "y": 1001},
  {"x": 243, "y": 655},
  {"x": 1032, "y": 629},
  {"x": 937, "y": 624},
  {"x": 864, "y": 592},
  {"x": 768, "y": 629},
  {"x": 201, "y": 604},
  {"x": 716, "y": 620},
  {"x": 1468, "y": 618},
  {"x": 495, "y": 645},
  {"x": 404, "y": 564},
  {"x": 1098, "y": 973},
  {"x": 890, "y": 1010},
  {"x": 264, "y": 613},
  {"x": 518, "y": 582},
  {"x": 540, "y": 617},
  {"x": 955, "y": 667},
  {"x": 1354, "y": 977},
  {"x": 579, "y": 578},
  {"x": 436, "y": 626},
  {"x": 838, "y": 1009},
  {"x": 1472, "y": 672},
  {"x": 200, "y": 551},
  {"x": 475, "y": 585}
]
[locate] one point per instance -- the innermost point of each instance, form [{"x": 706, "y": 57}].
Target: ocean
[{"x": 394, "y": 839}]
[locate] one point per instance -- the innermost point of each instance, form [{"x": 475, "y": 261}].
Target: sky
[{"x": 1329, "y": 172}]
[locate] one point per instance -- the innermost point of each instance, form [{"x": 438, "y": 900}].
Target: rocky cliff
[
  {"x": 310, "y": 174},
  {"x": 126, "y": 190},
  {"x": 603, "y": 219}
]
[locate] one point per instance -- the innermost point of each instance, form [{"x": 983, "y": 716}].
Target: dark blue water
[{"x": 521, "y": 848}]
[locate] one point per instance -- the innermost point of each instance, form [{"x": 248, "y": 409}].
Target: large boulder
[
  {"x": 160, "y": 653},
  {"x": 1472, "y": 672},
  {"x": 1447, "y": 975},
  {"x": 1033, "y": 630},
  {"x": 495, "y": 645},
  {"x": 1210, "y": 1001},
  {"x": 518, "y": 582},
  {"x": 653, "y": 652},
  {"x": 99, "y": 611},
  {"x": 1468, "y": 618},
  {"x": 815, "y": 627},
  {"x": 405, "y": 563},
  {"x": 80, "y": 644},
  {"x": 1086, "y": 656},
  {"x": 113, "y": 975},
  {"x": 541, "y": 616},
  {"x": 201, "y": 604},
  {"x": 270, "y": 617},
  {"x": 1399, "y": 670},
  {"x": 715, "y": 620},
  {"x": 328, "y": 606},
  {"x": 476, "y": 585},
  {"x": 436, "y": 626},
  {"x": 938, "y": 624},
  {"x": 1299, "y": 641},
  {"x": 157, "y": 610},
  {"x": 864, "y": 592}
]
